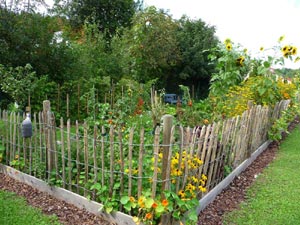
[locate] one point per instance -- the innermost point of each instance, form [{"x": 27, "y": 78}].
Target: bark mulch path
[
  {"x": 228, "y": 200},
  {"x": 67, "y": 214}
]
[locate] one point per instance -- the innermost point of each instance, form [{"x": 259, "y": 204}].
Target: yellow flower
[
  {"x": 176, "y": 172},
  {"x": 17, "y": 157},
  {"x": 135, "y": 171},
  {"x": 198, "y": 161},
  {"x": 136, "y": 220},
  {"x": 240, "y": 60},
  {"x": 194, "y": 179},
  {"x": 285, "y": 48},
  {"x": 203, "y": 177},
  {"x": 229, "y": 46},
  {"x": 132, "y": 199},
  {"x": 202, "y": 189},
  {"x": 181, "y": 193},
  {"x": 141, "y": 202},
  {"x": 294, "y": 50},
  {"x": 227, "y": 41}
]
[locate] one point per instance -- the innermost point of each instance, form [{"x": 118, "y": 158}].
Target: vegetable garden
[{"x": 152, "y": 160}]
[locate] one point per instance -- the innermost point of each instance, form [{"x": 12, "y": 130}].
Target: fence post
[
  {"x": 167, "y": 127},
  {"x": 49, "y": 123}
]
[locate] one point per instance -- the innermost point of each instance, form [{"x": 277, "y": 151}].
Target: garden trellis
[{"x": 99, "y": 162}]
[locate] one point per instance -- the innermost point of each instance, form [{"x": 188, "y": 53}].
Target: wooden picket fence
[{"x": 77, "y": 158}]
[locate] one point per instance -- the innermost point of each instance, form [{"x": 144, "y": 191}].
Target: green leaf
[
  {"x": 149, "y": 202},
  {"x": 109, "y": 209},
  {"x": 159, "y": 209},
  {"x": 124, "y": 200},
  {"x": 96, "y": 186}
]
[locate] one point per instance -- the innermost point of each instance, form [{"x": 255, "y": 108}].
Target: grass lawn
[
  {"x": 15, "y": 211},
  {"x": 274, "y": 199}
]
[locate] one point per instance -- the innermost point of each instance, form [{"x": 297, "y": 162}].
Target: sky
[{"x": 251, "y": 23}]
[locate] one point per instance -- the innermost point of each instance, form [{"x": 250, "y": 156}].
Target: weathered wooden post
[
  {"x": 167, "y": 127},
  {"x": 49, "y": 123}
]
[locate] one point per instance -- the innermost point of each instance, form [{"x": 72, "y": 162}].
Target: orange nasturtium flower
[
  {"x": 154, "y": 205},
  {"x": 165, "y": 202},
  {"x": 148, "y": 216}
]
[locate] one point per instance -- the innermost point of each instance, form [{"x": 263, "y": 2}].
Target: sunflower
[
  {"x": 294, "y": 50},
  {"x": 240, "y": 60},
  {"x": 229, "y": 46}
]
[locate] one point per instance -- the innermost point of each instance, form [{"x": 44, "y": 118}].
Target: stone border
[
  {"x": 211, "y": 195},
  {"x": 67, "y": 196}
]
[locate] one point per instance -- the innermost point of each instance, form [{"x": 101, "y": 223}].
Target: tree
[
  {"x": 195, "y": 38},
  {"x": 108, "y": 14},
  {"x": 22, "y": 5},
  {"x": 149, "y": 48},
  {"x": 29, "y": 38}
]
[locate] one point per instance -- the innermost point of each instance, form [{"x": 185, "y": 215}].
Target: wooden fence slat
[
  {"x": 69, "y": 155},
  {"x": 203, "y": 148},
  {"x": 14, "y": 135},
  {"x": 156, "y": 152},
  {"x": 168, "y": 169},
  {"x": 77, "y": 157},
  {"x": 214, "y": 144},
  {"x": 186, "y": 151},
  {"x": 86, "y": 155},
  {"x": 62, "y": 142},
  {"x": 112, "y": 160},
  {"x": 95, "y": 160},
  {"x": 141, "y": 155},
  {"x": 35, "y": 135},
  {"x": 120, "y": 136},
  {"x": 210, "y": 143},
  {"x": 102, "y": 155},
  {"x": 7, "y": 124},
  {"x": 181, "y": 148},
  {"x": 130, "y": 147},
  {"x": 41, "y": 136},
  {"x": 11, "y": 157},
  {"x": 19, "y": 136}
]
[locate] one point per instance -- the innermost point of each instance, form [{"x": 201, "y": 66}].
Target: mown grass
[
  {"x": 274, "y": 199},
  {"x": 15, "y": 211}
]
